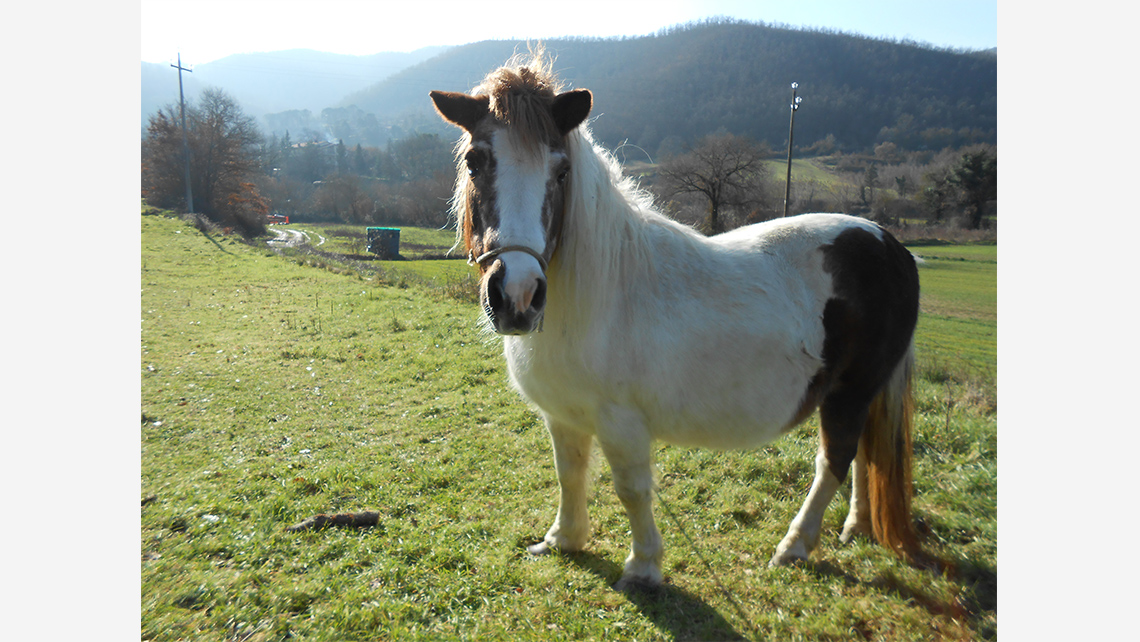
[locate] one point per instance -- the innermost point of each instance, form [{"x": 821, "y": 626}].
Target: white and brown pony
[{"x": 624, "y": 326}]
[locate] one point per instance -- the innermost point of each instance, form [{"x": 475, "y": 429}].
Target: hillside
[{"x": 659, "y": 91}]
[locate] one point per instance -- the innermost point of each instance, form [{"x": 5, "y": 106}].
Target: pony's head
[{"x": 509, "y": 197}]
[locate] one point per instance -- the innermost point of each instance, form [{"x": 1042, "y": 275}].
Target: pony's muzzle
[{"x": 514, "y": 298}]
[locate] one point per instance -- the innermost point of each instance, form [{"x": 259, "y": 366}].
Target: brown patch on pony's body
[{"x": 868, "y": 326}]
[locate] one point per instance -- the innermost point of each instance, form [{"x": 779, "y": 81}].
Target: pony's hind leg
[
  {"x": 859, "y": 516},
  {"x": 841, "y": 427},
  {"x": 803, "y": 534},
  {"x": 571, "y": 527},
  {"x": 628, "y": 448}
]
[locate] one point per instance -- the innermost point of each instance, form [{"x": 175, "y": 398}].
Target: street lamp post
[{"x": 791, "y": 127}]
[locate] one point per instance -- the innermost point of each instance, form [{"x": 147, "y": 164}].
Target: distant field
[
  {"x": 982, "y": 253},
  {"x": 803, "y": 170},
  {"x": 958, "y": 328},
  {"x": 276, "y": 387}
]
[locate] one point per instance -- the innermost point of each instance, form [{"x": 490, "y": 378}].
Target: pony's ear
[
  {"x": 571, "y": 108},
  {"x": 460, "y": 109}
]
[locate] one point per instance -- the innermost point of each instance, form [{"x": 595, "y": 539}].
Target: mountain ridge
[{"x": 662, "y": 91}]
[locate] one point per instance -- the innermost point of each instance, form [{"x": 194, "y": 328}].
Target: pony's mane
[{"x": 611, "y": 232}]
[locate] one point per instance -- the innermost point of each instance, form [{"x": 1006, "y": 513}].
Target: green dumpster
[{"x": 384, "y": 242}]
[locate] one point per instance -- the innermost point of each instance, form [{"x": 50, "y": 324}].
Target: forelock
[{"x": 521, "y": 95}]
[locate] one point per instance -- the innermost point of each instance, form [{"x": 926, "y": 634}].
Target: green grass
[
  {"x": 441, "y": 271},
  {"x": 277, "y": 387}
]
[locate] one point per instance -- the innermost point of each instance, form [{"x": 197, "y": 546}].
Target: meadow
[{"x": 279, "y": 386}]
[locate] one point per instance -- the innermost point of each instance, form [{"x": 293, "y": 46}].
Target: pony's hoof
[
  {"x": 540, "y": 549},
  {"x": 640, "y": 574},
  {"x": 853, "y": 530},
  {"x": 788, "y": 556},
  {"x": 786, "y": 560}
]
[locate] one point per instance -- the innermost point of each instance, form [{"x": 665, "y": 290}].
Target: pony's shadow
[
  {"x": 671, "y": 608},
  {"x": 977, "y": 583}
]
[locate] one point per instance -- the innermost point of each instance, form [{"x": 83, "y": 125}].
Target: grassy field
[{"x": 276, "y": 387}]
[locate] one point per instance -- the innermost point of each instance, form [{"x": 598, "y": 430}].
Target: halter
[{"x": 487, "y": 256}]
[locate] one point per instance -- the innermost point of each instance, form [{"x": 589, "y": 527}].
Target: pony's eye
[
  {"x": 562, "y": 175},
  {"x": 474, "y": 164}
]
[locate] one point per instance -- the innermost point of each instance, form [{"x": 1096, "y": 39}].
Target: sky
[{"x": 207, "y": 30}]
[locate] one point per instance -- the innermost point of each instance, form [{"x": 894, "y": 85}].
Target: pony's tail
[{"x": 887, "y": 443}]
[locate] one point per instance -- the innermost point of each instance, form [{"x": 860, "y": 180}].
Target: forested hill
[{"x": 660, "y": 91}]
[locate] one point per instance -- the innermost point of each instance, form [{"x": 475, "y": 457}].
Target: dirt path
[{"x": 292, "y": 238}]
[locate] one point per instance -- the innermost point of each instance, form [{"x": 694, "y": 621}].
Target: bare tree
[
  {"x": 224, "y": 162},
  {"x": 727, "y": 170}
]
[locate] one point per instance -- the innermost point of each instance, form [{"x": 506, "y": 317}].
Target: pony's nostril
[
  {"x": 539, "y": 299},
  {"x": 496, "y": 295}
]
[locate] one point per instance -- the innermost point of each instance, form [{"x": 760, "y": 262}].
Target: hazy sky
[{"x": 206, "y": 30}]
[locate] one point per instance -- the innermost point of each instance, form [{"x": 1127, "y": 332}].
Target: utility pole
[
  {"x": 185, "y": 145},
  {"x": 791, "y": 126}
]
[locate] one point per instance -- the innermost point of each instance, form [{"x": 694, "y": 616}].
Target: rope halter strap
[{"x": 487, "y": 256}]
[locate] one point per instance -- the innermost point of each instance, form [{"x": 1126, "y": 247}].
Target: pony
[{"x": 623, "y": 326}]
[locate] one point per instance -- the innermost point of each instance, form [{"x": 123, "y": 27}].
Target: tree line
[
  {"x": 724, "y": 181},
  {"x": 721, "y": 181}
]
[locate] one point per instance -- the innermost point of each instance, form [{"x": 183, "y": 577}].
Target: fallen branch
[{"x": 349, "y": 520}]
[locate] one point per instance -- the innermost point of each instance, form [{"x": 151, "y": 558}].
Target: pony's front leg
[
  {"x": 628, "y": 448},
  {"x": 571, "y": 527}
]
